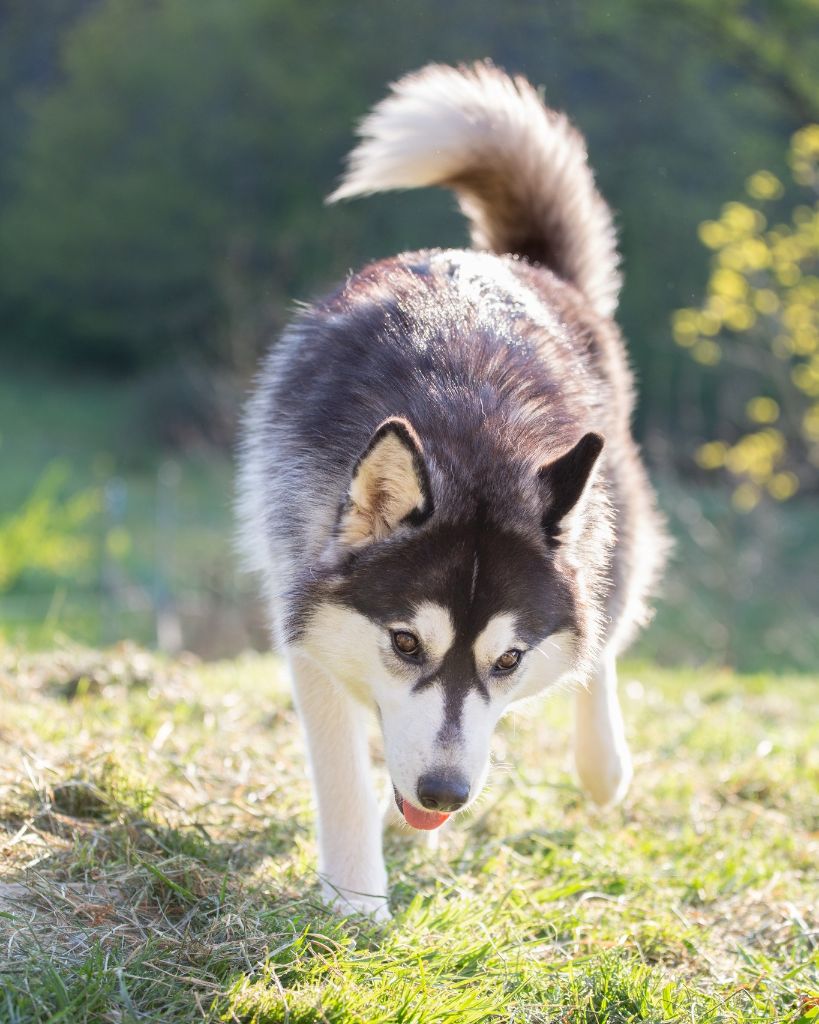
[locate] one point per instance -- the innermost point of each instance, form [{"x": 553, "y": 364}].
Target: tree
[
  {"x": 761, "y": 317},
  {"x": 171, "y": 163},
  {"x": 774, "y": 41}
]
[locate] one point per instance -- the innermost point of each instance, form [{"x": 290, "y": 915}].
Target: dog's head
[{"x": 442, "y": 621}]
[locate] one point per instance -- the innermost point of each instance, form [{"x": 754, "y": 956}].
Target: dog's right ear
[
  {"x": 563, "y": 481},
  {"x": 389, "y": 487}
]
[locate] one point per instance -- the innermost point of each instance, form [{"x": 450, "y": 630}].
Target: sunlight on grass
[{"x": 158, "y": 860}]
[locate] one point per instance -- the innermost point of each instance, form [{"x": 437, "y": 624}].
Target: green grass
[
  {"x": 157, "y": 852},
  {"x": 164, "y": 531}
]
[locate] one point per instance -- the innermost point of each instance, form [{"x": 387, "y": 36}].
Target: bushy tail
[{"x": 519, "y": 169}]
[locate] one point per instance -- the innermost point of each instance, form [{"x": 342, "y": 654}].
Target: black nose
[{"x": 442, "y": 791}]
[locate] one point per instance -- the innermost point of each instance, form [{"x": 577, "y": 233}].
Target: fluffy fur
[
  {"x": 518, "y": 168},
  {"x": 441, "y": 447}
]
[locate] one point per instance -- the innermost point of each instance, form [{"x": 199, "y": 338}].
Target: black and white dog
[{"x": 439, "y": 488}]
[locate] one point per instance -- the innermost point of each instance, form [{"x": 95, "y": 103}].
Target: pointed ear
[
  {"x": 389, "y": 487},
  {"x": 563, "y": 481}
]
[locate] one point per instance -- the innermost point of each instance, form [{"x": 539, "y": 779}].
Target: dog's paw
[
  {"x": 607, "y": 776},
  {"x": 353, "y": 904}
]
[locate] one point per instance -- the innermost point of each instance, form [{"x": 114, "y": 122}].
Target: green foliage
[
  {"x": 46, "y": 534},
  {"x": 775, "y": 41},
  {"x": 761, "y": 314},
  {"x": 165, "y": 189},
  {"x": 156, "y": 175}
]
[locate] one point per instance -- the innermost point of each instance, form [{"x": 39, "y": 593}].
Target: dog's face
[{"x": 441, "y": 625}]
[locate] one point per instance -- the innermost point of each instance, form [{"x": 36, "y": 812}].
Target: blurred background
[{"x": 163, "y": 165}]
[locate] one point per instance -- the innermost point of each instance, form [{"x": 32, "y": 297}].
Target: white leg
[
  {"x": 351, "y": 861},
  {"x": 600, "y": 750}
]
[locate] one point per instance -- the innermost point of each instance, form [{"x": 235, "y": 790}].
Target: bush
[
  {"x": 761, "y": 316},
  {"x": 46, "y": 534}
]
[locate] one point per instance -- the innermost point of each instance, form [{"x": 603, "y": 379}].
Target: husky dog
[{"x": 438, "y": 485}]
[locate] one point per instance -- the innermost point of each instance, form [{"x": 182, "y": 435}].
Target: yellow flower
[
  {"x": 706, "y": 352},
  {"x": 762, "y": 410},
  {"x": 740, "y": 318},
  {"x": 783, "y": 486},
  {"x": 728, "y": 283},
  {"x": 746, "y": 497},
  {"x": 766, "y": 301},
  {"x": 788, "y": 274},
  {"x": 708, "y": 322},
  {"x": 805, "y": 341},
  {"x": 711, "y": 455},
  {"x": 764, "y": 185},
  {"x": 804, "y": 216},
  {"x": 805, "y": 142},
  {"x": 712, "y": 234},
  {"x": 684, "y": 327},
  {"x": 796, "y": 314},
  {"x": 806, "y": 378},
  {"x": 740, "y": 219},
  {"x": 755, "y": 254}
]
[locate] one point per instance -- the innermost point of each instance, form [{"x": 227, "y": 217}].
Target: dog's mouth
[{"x": 416, "y": 817}]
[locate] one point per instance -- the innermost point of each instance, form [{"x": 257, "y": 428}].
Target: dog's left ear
[
  {"x": 563, "y": 481},
  {"x": 389, "y": 487}
]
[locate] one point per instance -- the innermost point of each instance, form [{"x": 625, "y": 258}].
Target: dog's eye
[
  {"x": 406, "y": 644},
  {"x": 508, "y": 661}
]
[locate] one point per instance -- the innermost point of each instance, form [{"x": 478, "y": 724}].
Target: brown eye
[
  {"x": 507, "y": 661},
  {"x": 406, "y": 644}
]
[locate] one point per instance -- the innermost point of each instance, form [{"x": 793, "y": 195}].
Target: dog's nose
[{"x": 442, "y": 791}]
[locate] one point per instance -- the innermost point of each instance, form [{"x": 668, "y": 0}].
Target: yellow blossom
[
  {"x": 712, "y": 234},
  {"x": 762, "y": 410},
  {"x": 728, "y": 283},
  {"x": 739, "y": 219},
  {"x": 788, "y": 274},
  {"x": 746, "y": 497},
  {"x": 740, "y": 318},
  {"x": 706, "y": 352},
  {"x": 708, "y": 322},
  {"x": 684, "y": 325},
  {"x": 711, "y": 455},
  {"x": 764, "y": 185},
  {"x": 766, "y": 301},
  {"x": 783, "y": 486}
]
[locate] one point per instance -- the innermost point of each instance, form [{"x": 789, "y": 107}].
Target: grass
[
  {"x": 156, "y": 860},
  {"x": 162, "y": 540}
]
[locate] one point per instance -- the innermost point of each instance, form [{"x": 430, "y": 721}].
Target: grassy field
[{"x": 156, "y": 861}]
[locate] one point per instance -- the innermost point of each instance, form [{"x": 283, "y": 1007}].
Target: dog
[{"x": 438, "y": 486}]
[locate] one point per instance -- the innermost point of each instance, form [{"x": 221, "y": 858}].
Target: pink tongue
[{"x": 426, "y": 820}]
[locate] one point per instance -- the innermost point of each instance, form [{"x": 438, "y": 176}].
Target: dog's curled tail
[{"x": 519, "y": 169}]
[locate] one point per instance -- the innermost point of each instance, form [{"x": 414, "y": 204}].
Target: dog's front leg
[
  {"x": 351, "y": 860},
  {"x": 600, "y": 750}
]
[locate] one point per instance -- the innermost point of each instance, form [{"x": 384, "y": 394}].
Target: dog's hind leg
[
  {"x": 351, "y": 861},
  {"x": 601, "y": 753}
]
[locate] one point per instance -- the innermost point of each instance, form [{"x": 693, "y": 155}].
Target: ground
[{"x": 157, "y": 860}]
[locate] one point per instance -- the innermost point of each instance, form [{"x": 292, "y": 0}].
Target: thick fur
[
  {"x": 443, "y": 446},
  {"x": 518, "y": 168}
]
